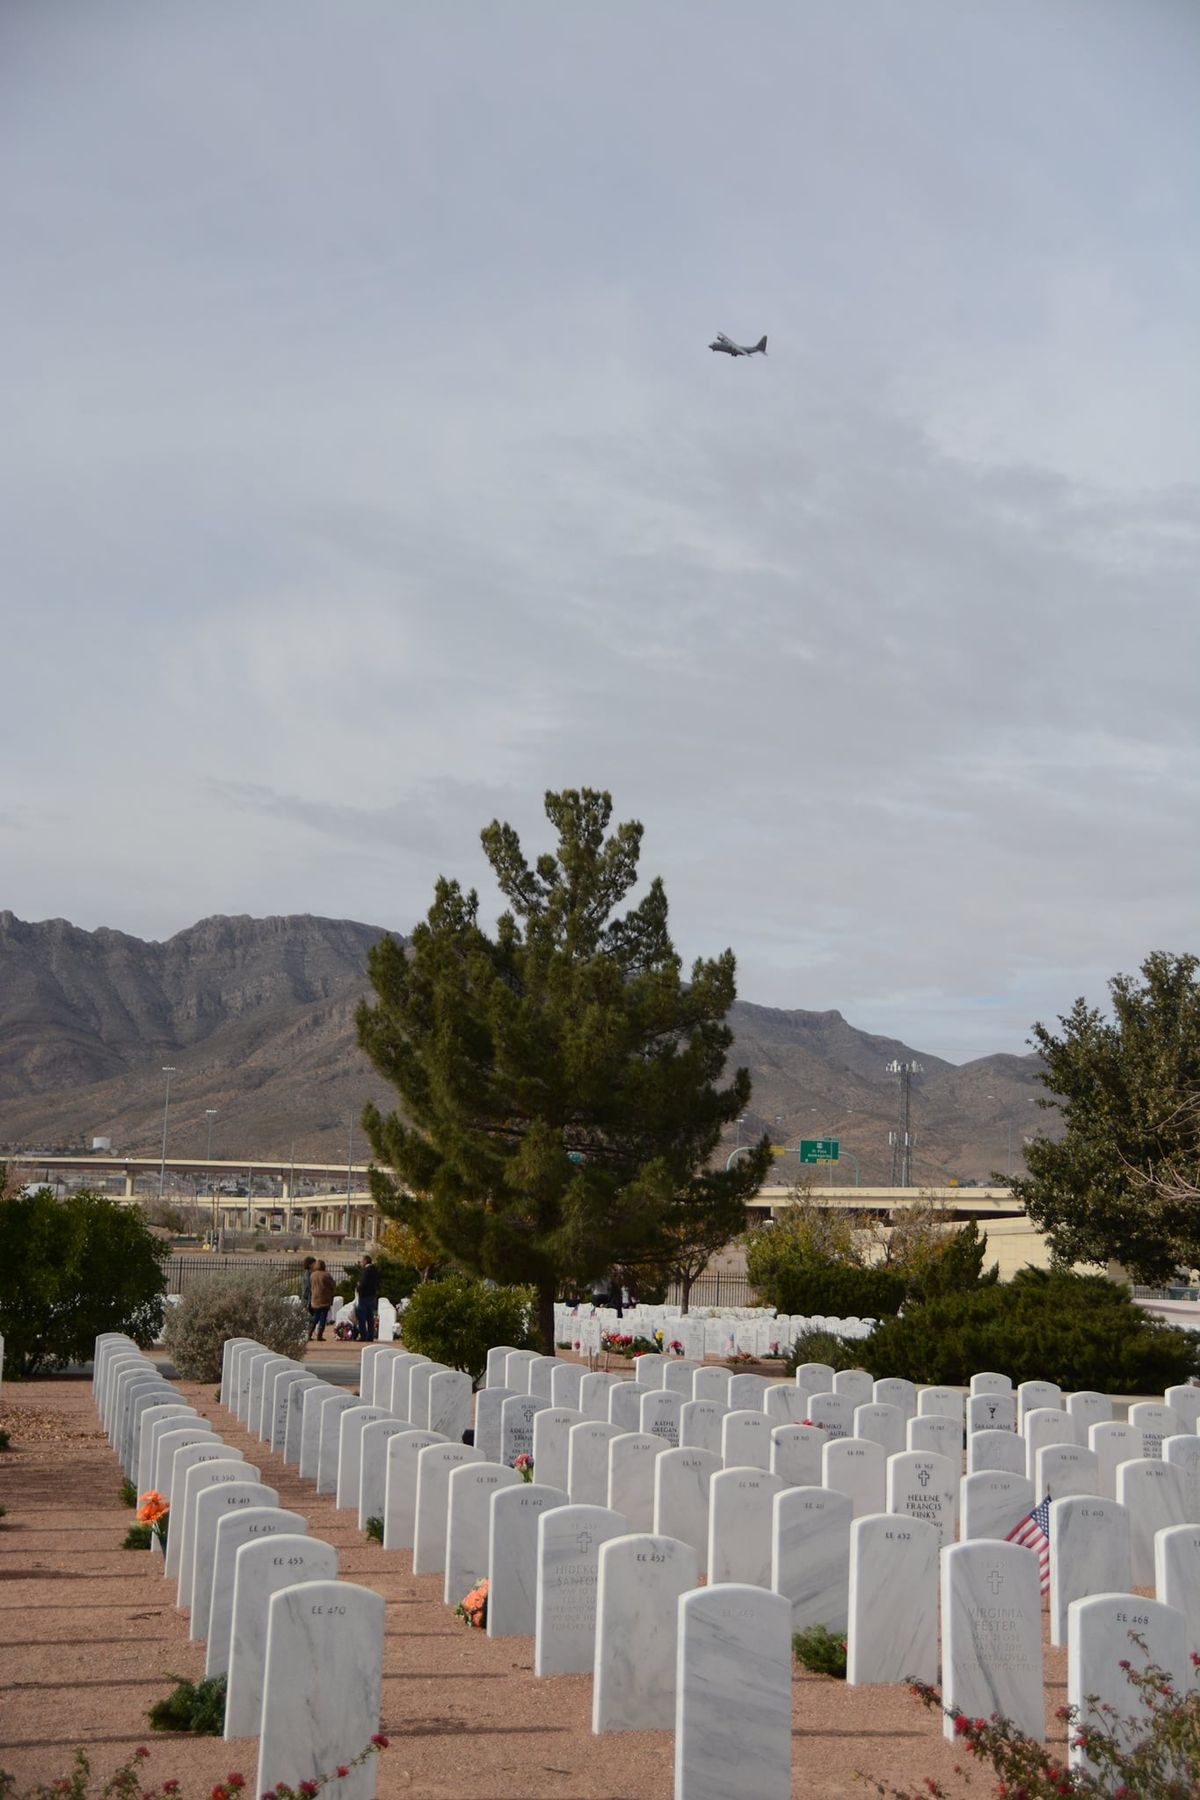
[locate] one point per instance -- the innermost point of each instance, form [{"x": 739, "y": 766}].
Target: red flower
[
  {"x": 342, "y": 1769},
  {"x": 235, "y": 1780},
  {"x": 141, "y": 1750},
  {"x": 379, "y": 1741},
  {"x": 309, "y": 1788}
]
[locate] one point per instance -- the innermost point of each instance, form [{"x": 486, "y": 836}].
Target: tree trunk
[
  {"x": 545, "y": 1307},
  {"x": 685, "y": 1289}
]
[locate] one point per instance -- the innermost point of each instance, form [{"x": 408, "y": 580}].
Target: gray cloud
[{"x": 372, "y": 475}]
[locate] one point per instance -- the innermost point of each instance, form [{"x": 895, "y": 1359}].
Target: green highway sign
[{"x": 818, "y": 1150}]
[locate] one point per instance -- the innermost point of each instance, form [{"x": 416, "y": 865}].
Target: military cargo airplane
[{"x": 729, "y": 348}]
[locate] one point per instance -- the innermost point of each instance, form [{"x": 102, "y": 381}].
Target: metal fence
[
  {"x": 184, "y": 1272},
  {"x": 716, "y": 1289}
]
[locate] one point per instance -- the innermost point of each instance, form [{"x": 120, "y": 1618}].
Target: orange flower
[{"x": 151, "y": 1507}]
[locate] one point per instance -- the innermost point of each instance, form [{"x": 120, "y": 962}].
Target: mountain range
[{"x": 256, "y": 1018}]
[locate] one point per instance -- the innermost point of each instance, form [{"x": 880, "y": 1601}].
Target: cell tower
[{"x": 901, "y": 1138}]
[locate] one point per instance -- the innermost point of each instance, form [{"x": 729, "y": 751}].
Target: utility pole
[
  {"x": 162, "y": 1169},
  {"x": 349, "y": 1176},
  {"x": 210, "y": 1113},
  {"x": 901, "y": 1138}
]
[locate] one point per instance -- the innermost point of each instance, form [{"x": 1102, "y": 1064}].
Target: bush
[
  {"x": 252, "y": 1305},
  {"x": 457, "y": 1320},
  {"x": 1082, "y": 1331},
  {"x": 821, "y": 1650},
  {"x": 74, "y": 1268},
  {"x": 197, "y": 1706},
  {"x": 824, "y": 1347},
  {"x": 839, "y": 1290}
]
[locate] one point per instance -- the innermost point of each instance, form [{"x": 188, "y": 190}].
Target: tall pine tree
[{"x": 559, "y": 1082}]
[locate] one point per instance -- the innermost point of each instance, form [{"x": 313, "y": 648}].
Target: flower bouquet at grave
[
  {"x": 523, "y": 1464},
  {"x": 155, "y": 1512},
  {"x": 675, "y": 1347},
  {"x": 616, "y": 1343},
  {"x": 472, "y": 1608}
]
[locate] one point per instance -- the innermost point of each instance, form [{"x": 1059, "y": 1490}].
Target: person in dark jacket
[{"x": 366, "y": 1294}]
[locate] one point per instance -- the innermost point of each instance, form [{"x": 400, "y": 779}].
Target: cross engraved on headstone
[
  {"x": 923, "y": 1475},
  {"x": 584, "y": 1540},
  {"x": 995, "y": 1581}
]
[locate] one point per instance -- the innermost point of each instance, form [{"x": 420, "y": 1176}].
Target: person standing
[
  {"x": 366, "y": 1295},
  {"x": 321, "y": 1294},
  {"x": 306, "y": 1269}
]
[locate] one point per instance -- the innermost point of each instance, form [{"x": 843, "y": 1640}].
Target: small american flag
[{"x": 1033, "y": 1533}]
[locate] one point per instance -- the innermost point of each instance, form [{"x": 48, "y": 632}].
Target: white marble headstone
[
  {"x": 373, "y": 1450},
  {"x": 745, "y": 1440},
  {"x": 552, "y": 1443},
  {"x": 810, "y": 1555},
  {"x": 568, "y": 1566},
  {"x": 489, "y": 1404},
  {"x": 212, "y": 1505},
  {"x": 796, "y": 1454},
  {"x": 993, "y": 1502},
  {"x": 311, "y": 1724},
  {"x": 468, "y": 1522},
  {"x": 855, "y": 1467},
  {"x": 992, "y": 1634},
  {"x": 400, "y": 1486},
  {"x": 642, "y": 1577},
  {"x": 893, "y": 1600},
  {"x": 681, "y": 1480},
  {"x": 733, "y": 1701},
  {"x": 739, "y": 1526},
  {"x": 240, "y": 1525},
  {"x": 587, "y": 1461},
  {"x": 631, "y": 1459},
  {"x": 349, "y": 1467},
  {"x": 995, "y": 1450},
  {"x": 1100, "y": 1636},
  {"x": 1114, "y": 1443},
  {"x": 700, "y": 1424},
  {"x": 434, "y": 1466},
  {"x": 1089, "y": 1554},
  {"x": 512, "y": 1555},
  {"x": 924, "y": 1484},
  {"x": 1154, "y": 1494}
]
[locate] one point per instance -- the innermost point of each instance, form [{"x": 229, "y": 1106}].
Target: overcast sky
[{"x": 365, "y": 472}]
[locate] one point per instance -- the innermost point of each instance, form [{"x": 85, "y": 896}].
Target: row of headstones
[
  {"x": 826, "y": 1566},
  {"x": 466, "y": 1518},
  {"x": 260, "y": 1591},
  {"x": 755, "y": 1332},
  {"x": 732, "y": 1415},
  {"x": 438, "y": 1492}
]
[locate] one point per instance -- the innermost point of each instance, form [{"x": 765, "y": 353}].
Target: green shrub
[
  {"x": 5, "y": 1440},
  {"x": 223, "y": 1306},
  {"x": 457, "y": 1320},
  {"x": 129, "y": 1493},
  {"x": 821, "y": 1650},
  {"x": 824, "y": 1347},
  {"x": 137, "y": 1537},
  {"x": 197, "y": 1706},
  {"x": 1082, "y": 1331},
  {"x": 840, "y": 1290},
  {"x": 955, "y": 1267},
  {"x": 74, "y": 1268},
  {"x": 374, "y": 1529}
]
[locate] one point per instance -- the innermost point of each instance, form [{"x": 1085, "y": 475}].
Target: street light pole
[
  {"x": 162, "y": 1168},
  {"x": 210, "y": 1113}
]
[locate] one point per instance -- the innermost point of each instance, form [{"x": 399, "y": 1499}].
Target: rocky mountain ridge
[{"x": 256, "y": 1018}]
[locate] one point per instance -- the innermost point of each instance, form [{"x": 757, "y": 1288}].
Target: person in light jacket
[{"x": 320, "y": 1301}]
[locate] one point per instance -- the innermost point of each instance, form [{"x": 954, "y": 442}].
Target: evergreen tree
[
  {"x": 1114, "y": 1187},
  {"x": 559, "y": 1082}
]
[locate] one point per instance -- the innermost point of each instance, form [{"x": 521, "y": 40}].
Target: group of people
[{"x": 318, "y": 1291}]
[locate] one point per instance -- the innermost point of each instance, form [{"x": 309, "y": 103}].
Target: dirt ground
[{"x": 90, "y": 1638}]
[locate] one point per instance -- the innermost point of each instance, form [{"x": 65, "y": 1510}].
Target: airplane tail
[{"x": 762, "y": 344}]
